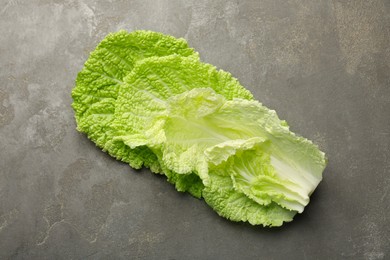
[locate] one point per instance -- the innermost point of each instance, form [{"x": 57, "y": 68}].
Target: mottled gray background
[{"x": 323, "y": 65}]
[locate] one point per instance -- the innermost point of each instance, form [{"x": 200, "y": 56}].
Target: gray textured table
[{"x": 324, "y": 66}]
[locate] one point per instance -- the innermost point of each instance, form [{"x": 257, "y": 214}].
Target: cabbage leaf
[
  {"x": 148, "y": 100},
  {"x": 98, "y": 83}
]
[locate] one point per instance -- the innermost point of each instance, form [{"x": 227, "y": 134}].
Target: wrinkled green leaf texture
[{"x": 146, "y": 99}]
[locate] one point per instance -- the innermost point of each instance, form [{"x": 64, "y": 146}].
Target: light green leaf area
[
  {"x": 254, "y": 175},
  {"x": 236, "y": 206},
  {"x": 199, "y": 128},
  {"x": 98, "y": 83},
  {"x": 143, "y": 100},
  {"x": 148, "y": 100},
  {"x": 155, "y": 80}
]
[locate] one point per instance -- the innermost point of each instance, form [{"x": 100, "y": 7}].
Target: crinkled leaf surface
[
  {"x": 236, "y": 206},
  {"x": 98, "y": 83},
  {"x": 193, "y": 128},
  {"x": 147, "y": 99},
  {"x": 155, "y": 80}
]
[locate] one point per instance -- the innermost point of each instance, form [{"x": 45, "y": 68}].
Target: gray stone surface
[{"x": 322, "y": 65}]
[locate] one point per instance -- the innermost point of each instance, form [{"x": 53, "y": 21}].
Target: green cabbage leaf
[
  {"x": 98, "y": 84},
  {"x": 148, "y": 100}
]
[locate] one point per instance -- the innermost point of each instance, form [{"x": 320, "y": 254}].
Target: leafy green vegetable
[
  {"x": 235, "y": 206},
  {"x": 98, "y": 83},
  {"x": 144, "y": 100},
  {"x": 147, "y": 99}
]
